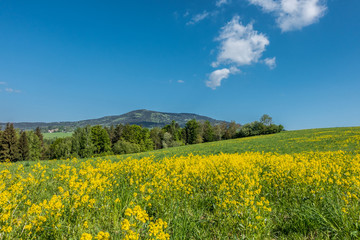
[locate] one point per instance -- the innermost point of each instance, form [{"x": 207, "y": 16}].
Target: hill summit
[{"x": 143, "y": 117}]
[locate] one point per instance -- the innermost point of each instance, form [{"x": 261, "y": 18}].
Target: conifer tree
[
  {"x": 40, "y": 136},
  {"x": 34, "y": 146},
  {"x": 24, "y": 151},
  {"x": 9, "y": 144}
]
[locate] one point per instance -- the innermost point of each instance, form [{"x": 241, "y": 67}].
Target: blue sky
[{"x": 296, "y": 60}]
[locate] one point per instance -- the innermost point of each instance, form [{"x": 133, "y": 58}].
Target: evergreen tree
[
  {"x": 111, "y": 132},
  {"x": 24, "y": 151},
  {"x": 40, "y": 136},
  {"x": 9, "y": 144},
  {"x": 34, "y": 146},
  {"x": 118, "y": 133}
]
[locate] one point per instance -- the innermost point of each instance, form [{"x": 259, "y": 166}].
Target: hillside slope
[
  {"x": 145, "y": 118},
  {"x": 322, "y": 139}
]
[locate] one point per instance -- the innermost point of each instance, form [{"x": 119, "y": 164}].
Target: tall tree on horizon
[
  {"x": 82, "y": 144},
  {"x": 34, "y": 146},
  {"x": 193, "y": 132},
  {"x": 208, "y": 132},
  {"x": 24, "y": 151},
  {"x": 9, "y": 144},
  {"x": 40, "y": 136},
  {"x": 101, "y": 140}
]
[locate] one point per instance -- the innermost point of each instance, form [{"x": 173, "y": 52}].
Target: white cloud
[
  {"x": 270, "y": 62},
  {"x": 180, "y": 81},
  {"x": 10, "y": 90},
  {"x": 198, "y": 17},
  {"x": 219, "y": 3},
  {"x": 217, "y": 76},
  {"x": 240, "y": 44},
  {"x": 2, "y": 83},
  {"x": 293, "y": 14}
]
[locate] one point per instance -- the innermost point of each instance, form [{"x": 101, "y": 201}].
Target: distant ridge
[{"x": 143, "y": 117}]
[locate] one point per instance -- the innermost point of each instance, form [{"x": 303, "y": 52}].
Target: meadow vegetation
[{"x": 292, "y": 185}]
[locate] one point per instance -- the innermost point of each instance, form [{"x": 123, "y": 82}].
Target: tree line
[{"x": 97, "y": 140}]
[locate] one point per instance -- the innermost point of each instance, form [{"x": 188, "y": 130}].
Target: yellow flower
[
  {"x": 103, "y": 236},
  {"x": 86, "y": 236},
  {"x": 125, "y": 225}
]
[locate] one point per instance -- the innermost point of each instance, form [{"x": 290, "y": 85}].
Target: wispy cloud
[
  {"x": 198, "y": 17},
  {"x": 2, "y": 83},
  {"x": 180, "y": 81},
  {"x": 11, "y": 90},
  {"x": 293, "y": 14},
  {"x": 270, "y": 62},
  {"x": 239, "y": 45},
  {"x": 219, "y": 3}
]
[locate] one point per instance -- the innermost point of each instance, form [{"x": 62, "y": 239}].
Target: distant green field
[
  {"x": 57, "y": 135},
  {"x": 324, "y": 139}
]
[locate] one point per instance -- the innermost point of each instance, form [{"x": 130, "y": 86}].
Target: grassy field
[
  {"x": 293, "y": 185},
  {"x": 325, "y": 139},
  {"x": 57, "y": 135}
]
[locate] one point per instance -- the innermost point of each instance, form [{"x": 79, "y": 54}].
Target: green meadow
[
  {"x": 292, "y": 185},
  {"x": 323, "y": 139}
]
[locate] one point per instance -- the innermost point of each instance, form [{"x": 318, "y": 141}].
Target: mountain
[{"x": 145, "y": 118}]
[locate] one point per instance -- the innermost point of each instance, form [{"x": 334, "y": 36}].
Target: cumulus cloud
[
  {"x": 219, "y": 3},
  {"x": 270, "y": 62},
  {"x": 198, "y": 17},
  {"x": 240, "y": 44},
  {"x": 217, "y": 76},
  {"x": 293, "y": 14}
]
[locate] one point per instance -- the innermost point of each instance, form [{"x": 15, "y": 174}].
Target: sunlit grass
[{"x": 292, "y": 185}]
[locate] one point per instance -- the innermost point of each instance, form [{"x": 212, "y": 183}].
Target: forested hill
[{"x": 142, "y": 117}]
